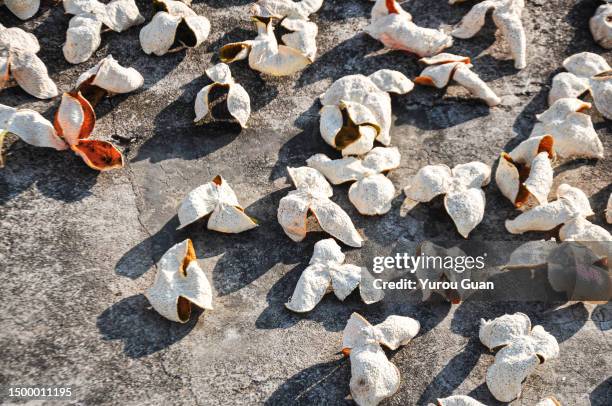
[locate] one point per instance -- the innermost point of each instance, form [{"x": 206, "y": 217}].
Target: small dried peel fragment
[
  {"x": 459, "y": 400},
  {"x": 286, "y": 8},
  {"x": 30, "y": 126},
  {"x": 357, "y": 110},
  {"x": 590, "y": 235},
  {"x": 74, "y": 122},
  {"x": 549, "y": 401},
  {"x": 179, "y": 284},
  {"x": 23, "y": 9},
  {"x": 521, "y": 350},
  {"x": 372, "y": 192},
  {"x": 393, "y": 26},
  {"x": 507, "y": 17},
  {"x": 266, "y": 55},
  {"x": 219, "y": 200},
  {"x": 572, "y": 131},
  {"x": 609, "y": 210},
  {"x": 464, "y": 200},
  {"x": 84, "y": 29},
  {"x": 601, "y": 25},
  {"x": 237, "y": 99},
  {"x": 326, "y": 273},
  {"x": 313, "y": 196},
  {"x": 18, "y": 60},
  {"x": 446, "y": 67},
  {"x": 527, "y": 184},
  {"x": 373, "y": 376},
  {"x": 571, "y": 203},
  {"x": 586, "y": 72}
]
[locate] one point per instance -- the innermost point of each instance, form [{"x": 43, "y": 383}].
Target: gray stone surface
[{"x": 78, "y": 248}]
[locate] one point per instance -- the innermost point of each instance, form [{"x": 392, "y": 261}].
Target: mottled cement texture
[{"x": 78, "y": 248}]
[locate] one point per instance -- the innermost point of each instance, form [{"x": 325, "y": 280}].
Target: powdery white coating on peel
[
  {"x": 507, "y": 17},
  {"x": 367, "y": 103},
  {"x": 173, "y": 280},
  {"x": 373, "y": 377},
  {"x": 18, "y": 59},
  {"x": 571, "y": 203},
  {"x": 326, "y": 273},
  {"x": 595, "y": 237},
  {"x": 464, "y": 200},
  {"x": 82, "y": 38},
  {"x": 601, "y": 25},
  {"x": 23, "y": 9},
  {"x": 30, "y": 126},
  {"x": 549, "y": 401},
  {"x": 312, "y": 195},
  {"x": 522, "y": 350},
  {"x": 112, "y": 77},
  {"x": 286, "y": 8},
  {"x": 445, "y": 67},
  {"x": 238, "y": 100},
  {"x": 219, "y": 200},
  {"x": 586, "y": 72},
  {"x": 373, "y": 192}
]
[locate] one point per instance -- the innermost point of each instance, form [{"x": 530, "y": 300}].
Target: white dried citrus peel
[
  {"x": 590, "y": 235},
  {"x": 357, "y": 110},
  {"x": 609, "y": 210},
  {"x": 179, "y": 284},
  {"x": 238, "y": 100},
  {"x": 30, "y": 126},
  {"x": 601, "y": 25},
  {"x": 74, "y": 122},
  {"x": 507, "y": 17},
  {"x": 527, "y": 184},
  {"x": 266, "y": 55},
  {"x": 571, "y": 203},
  {"x": 111, "y": 77},
  {"x": 312, "y": 195},
  {"x": 84, "y": 29},
  {"x": 459, "y": 400},
  {"x": 446, "y": 67},
  {"x": 464, "y": 199},
  {"x": 325, "y": 273},
  {"x": 286, "y": 8},
  {"x": 18, "y": 60},
  {"x": 393, "y": 26},
  {"x": 572, "y": 131},
  {"x": 372, "y": 191},
  {"x": 162, "y": 32},
  {"x": 549, "y": 401},
  {"x": 586, "y": 72},
  {"x": 373, "y": 376},
  {"x": 521, "y": 350},
  {"x": 23, "y": 9},
  {"x": 219, "y": 200}
]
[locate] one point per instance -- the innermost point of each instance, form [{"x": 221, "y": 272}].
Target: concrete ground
[{"x": 78, "y": 248}]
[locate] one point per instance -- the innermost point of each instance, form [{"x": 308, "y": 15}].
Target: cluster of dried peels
[{"x": 356, "y": 114}]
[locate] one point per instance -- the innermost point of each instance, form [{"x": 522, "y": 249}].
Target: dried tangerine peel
[
  {"x": 372, "y": 192},
  {"x": 507, "y": 17},
  {"x": 74, "y": 123},
  {"x": 464, "y": 199},
  {"x": 446, "y": 67},
  {"x": 373, "y": 377},
  {"x": 30, "y": 126},
  {"x": 521, "y": 350},
  {"x": 459, "y": 400},
  {"x": 286, "y": 8},
  {"x": 23, "y": 9},
  {"x": 109, "y": 76},
  {"x": 173, "y": 27},
  {"x": 18, "y": 60},
  {"x": 217, "y": 199},
  {"x": 609, "y": 210},
  {"x": 266, "y": 55},
  {"x": 572, "y": 131},
  {"x": 238, "y": 100},
  {"x": 601, "y": 25},
  {"x": 179, "y": 284},
  {"x": 393, "y": 26},
  {"x": 527, "y": 184},
  {"x": 84, "y": 29},
  {"x": 357, "y": 110},
  {"x": 326, "y": 273},
  {"x": 312, "y": 195},
  {"x": 586, "y": 72}
]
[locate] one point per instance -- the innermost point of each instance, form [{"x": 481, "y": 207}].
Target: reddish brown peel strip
[
  {"x": 424, "y": 80},
  {"x": 189, "y": 256},
  {"x": 99, "y": 155},
  {"x": 183, "y": 307},
  {"x": 89, "y": 117},
  {"x": 346, "y": 352},
  {"x": 546, "y": 145},
  {"x": 391, "y": 7}
]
